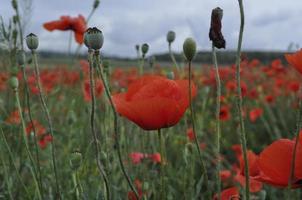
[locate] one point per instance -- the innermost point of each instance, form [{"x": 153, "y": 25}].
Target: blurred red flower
[
  {"x": 99, "y": 89},
  {"x": 229, "y": 193},
  {"x": 224, "y": 113},
  {"x": 76, "y": 24},
  {"x": 255, "y": 114},
  {"x": 295, "y": 60},
  {"x": 154, "y": 102}
]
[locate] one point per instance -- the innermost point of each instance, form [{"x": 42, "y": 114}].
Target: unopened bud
[
  {"x": 96, "y": 4},
  {"x": 14, "y": 4},
  {"x": 14, "y": 82},
  {"x": 21, "y": 59},
  {"x": 189, "y": 48},
  {"x": 32, "y": 41},
  {"x": 145, "y": 48},
  {"x": 171, "y": 36},
  {"x": 93, "y": 38},
  {"x": 137, "y": 47},
  {"x": 75, "y": 160}
]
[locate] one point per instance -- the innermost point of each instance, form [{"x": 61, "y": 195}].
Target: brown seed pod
[{"x": 215, "y": 30}]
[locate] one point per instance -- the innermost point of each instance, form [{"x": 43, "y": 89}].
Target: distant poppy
[
  {"x": 99, "y": 89},
  {"x": 295, "y": 60},
  {"x": 136, "y": 157},
  {"x": 14, "y": 118},
  {"x": 255, "y": 114},
  {"x": 138, "y": 185},
  {"x": 155, "y": 157},
  {"x": 190, "y": 134},
  {"x": 229, "y": 193},
  {"x": 154, "y": 102},
  {"x": 224, "y": 113},
  {"x": 76, "y": 24}
]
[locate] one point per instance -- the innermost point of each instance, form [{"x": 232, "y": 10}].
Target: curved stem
[
  {"x": 92, "y": 125},
  {"x": 116, "y": 133},
  {"x": 34, "y": 130},
  {"x": 218, "y": 132},
  {"x": 239, "y": 104},
  {"x": 203, "y": 168},
  {"x": 53, "y": 151},
  {"x": 25, "y": 141},
  {"x": 161, "y": 151},
  {"x": 173, "y": 58}
]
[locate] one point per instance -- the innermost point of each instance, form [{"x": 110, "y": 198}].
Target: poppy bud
[
  {"x": 170, "y": 75},
  {"x": 14, "y": 82},
  {"x": 215, "y": 30},
  {"x": 189, "y": 48},
  {"x": 21, "y": 57},
  {"x": 14, "y": 4},
  {"x": 32, "y": 41},
  {"x": 75, "y": 160},
  {"x": 93, "y": 38},
  {"x": 96, "y": 4},
  {"x": 171, "y": 36},
  {"x": 145, "y": 48}
]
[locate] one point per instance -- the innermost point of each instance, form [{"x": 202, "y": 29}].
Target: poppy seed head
[
  {"x": 32, "y": 41},
  {"x": 189, "y": 48},
  {"x": 93, "y": 38},
  {"x": 171, "y": 36}
]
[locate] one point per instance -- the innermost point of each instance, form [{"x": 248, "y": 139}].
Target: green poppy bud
[
  {"x": 189, "y": 48},
  {"x": 137, "y": 47},
  {"x": 32, "y": 41},
  {"x": 93, "y": 38},
  {"x": 96, "y": 4},
  {"x": 21, "y": 59},
  {"x": 14, "y": 82},
  {"x": 75, "y": 160},
  {"x": 171, "y": 36},
  {"x": 145, "y": 48},
  {"x": 14, "y": 4}
]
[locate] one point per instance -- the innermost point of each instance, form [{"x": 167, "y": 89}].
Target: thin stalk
[
  {"x": 19, "y": 26},
  {"x": 6, "y": 178},
  {"x": 116, "y": 133},
  {"x": 25, "y": 141},
  {"x": 161, "y": 151},
  {"x": 141, "y": 66},
  {"x": 34, "y": 130},
  {"x": 239, "y": 104},
  {"x": 74, "y": 180},
  {"x": 14, "y": 165},
  {"x": 218, "y": 132},
  {"x": 173, "y": 58},
  {"x": 50, "y": 126},
  {"x": 293, "y": 163},
  {"x": 203, "y": 168},
  {"x": 92, "y": 125}
]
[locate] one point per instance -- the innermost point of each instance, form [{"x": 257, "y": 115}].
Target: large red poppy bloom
[
  {"x": 76, "y": 24},
  {"x": 275, "y": 163},
  {"x": 295, "y": 60},
  {"x": 154, "y": 102}
]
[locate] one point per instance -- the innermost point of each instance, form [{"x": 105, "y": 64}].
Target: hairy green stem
[
  {"x": 162, "y": 174},
  {"x": 33, "y": 129},
  {"x": 92, "y": 125},
  {"x": 116, "y": 133},
  {"x": 218, "y": 132},
  {"x": 239, "y": 104},
  {"x": 203, "y": 168},
  {"x": 173, "y": 58},
  {"x": 50, "y": 126},
  {"x": 25, "y": 141}
]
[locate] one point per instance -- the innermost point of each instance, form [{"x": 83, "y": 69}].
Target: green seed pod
[
  {"x": 14, "y": 71},
  {"x": 189, "y": 48},
  {"x": 21, "y": 59},
  {"x": 75, "y": 160},
  {"x": 96, "y": 4},
  {"x": 93, "y": 38},
  {"x": 170, "y": 75},
  {"x": 14, "y": 82},
  {"x": 137, "y": 47},
  {"x": 32, "y": 41},
  {"x": 171, "y": 36},
  {"x": 145, "y": 48}
]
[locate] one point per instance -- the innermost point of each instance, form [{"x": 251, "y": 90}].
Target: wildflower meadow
[{"x": 86, "y": 127}]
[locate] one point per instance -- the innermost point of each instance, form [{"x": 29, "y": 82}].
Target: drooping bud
[
  {"x": 96, "y": 4},
  {"x": 75, "y": 160},
  {"x": 21, "y": 59},
  {"x": 93, "y": 38},
  {"x": 145, "y": 48},
  {"x": 215, "y": 30},
  {"x": 32, "y": 41},
  {"x": 14, "y": 82},
  {"x": 189, "y": 48},
  {"x": 171, "y": 36}
]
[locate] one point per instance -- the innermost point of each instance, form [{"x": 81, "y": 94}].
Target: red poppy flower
[
  {"x": 255, "y": 114},
  {"x": 99, "y": 89},
  {"x": 229, "y": 193},
  {"x": 76, "y": 24},
  {"x": 14, "y": 118},
  {"x": 155, "y": 157},
  {"x": 295, "y": 60},
  {"x": 275, "y": 163},
  {"x": 136, "y": 157},
  {"x": 154, "y": 102},
  {"x": 138, "y": 185},
  {"x": 190, "y": 134},
  {"x": 224, "y": 113}
]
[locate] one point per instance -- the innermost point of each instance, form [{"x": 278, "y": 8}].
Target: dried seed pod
[{"x": 215, "y": 30}]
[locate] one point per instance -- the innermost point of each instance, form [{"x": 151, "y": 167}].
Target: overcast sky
[{"x": 270, "y": 24}]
